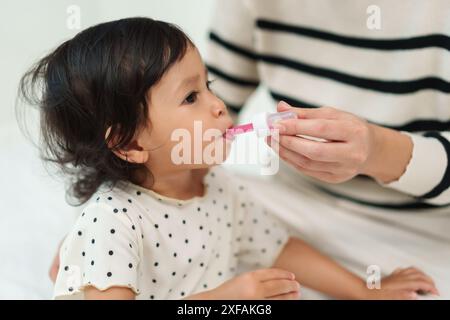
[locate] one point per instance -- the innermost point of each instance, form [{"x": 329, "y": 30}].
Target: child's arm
[
  {"x": 259, "y": 284},
  {"x": 274, "y": 284},
  {"x": 318, "y": 272},
  {"x": 113, "y": 293}
]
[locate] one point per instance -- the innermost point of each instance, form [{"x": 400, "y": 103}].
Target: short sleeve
[
  {"x": 260, "y": 236},
  {"x": 101, "y": 251}
]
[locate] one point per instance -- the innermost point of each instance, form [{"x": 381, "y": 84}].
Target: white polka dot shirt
[{"x": 164, "y": 248}]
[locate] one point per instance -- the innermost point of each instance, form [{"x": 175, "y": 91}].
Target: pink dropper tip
[{"x": 243, "y": 128}]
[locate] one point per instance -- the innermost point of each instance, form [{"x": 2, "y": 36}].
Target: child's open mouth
[
  {"x": 232, "y": 131},
  {"x": 228, "y": 135}
]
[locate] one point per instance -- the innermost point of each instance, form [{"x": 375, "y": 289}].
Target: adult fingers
[
  {"x": 297, "y": 159},
  {"x": 315, "y": 150},
  {"x": 313, "y": 113},
  {"x": 335, "y": 130}
]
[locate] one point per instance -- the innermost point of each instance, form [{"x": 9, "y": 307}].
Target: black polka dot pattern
[{"x": 155, "y": 245}]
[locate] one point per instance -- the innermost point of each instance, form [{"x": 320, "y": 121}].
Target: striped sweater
[{"x": 313, "y": 53}]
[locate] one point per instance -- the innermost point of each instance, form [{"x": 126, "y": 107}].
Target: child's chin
[
  {"x": 208, "y": 161},
  {"x": 221, "y": 147},
  {"x": 216, "y": 162}
]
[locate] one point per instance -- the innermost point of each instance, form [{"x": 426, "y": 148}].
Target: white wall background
[{"x": 33, "y": 213}]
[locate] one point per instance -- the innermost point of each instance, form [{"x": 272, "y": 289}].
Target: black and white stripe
[
  {"x": 414, "y": 125},
  {"x": 418, "y": 42}
]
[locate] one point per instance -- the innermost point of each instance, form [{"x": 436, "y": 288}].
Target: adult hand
[{"x": 352, "y": 146}]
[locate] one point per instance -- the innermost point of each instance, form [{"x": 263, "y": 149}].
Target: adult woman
[{"x": 387, "y": 150}]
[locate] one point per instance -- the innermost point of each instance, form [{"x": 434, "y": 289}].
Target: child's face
[{"x": 181, "y": 106}]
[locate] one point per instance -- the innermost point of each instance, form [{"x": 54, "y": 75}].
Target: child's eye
[{"x": 191, "y": 98}]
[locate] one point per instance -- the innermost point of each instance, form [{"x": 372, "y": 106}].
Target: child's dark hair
[{"x": 100, "y": 79}]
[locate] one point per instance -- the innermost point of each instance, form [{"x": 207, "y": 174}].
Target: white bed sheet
[
  {"x": 34, "y": 217},
  {"x": 358, "y": 238}
]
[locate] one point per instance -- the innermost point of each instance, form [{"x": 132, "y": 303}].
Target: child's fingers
[
  {"x": 421, "y": 277},
  {"x": 431, "y": 284},
  {"x": 413, "y": 271},
  {"x": 279, "y": 287},
  {"x": 410, "y": 270},
  {"x": 418, "y": 285},
  {"x": 418, "y": 275},
  {"x": 399, "y": 295},
  {"x": 272, "y": 274},
  {"x": 427, "y": 287},
  {"x": 397, "y": 271},
  {"x": 411, "y": 274},
  {"x": 405, "y": 295},
  {"x": 287, "y": 296}
]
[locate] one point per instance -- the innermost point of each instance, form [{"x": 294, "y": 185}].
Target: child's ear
[{"x": 133, "y": 152}]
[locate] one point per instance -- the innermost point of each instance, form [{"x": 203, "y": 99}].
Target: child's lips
[{"x": 228, "y": 134}]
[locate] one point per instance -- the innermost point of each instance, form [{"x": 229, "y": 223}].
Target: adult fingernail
[{"x": 284, "y": 104}]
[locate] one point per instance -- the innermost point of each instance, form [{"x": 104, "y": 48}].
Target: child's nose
[{"x": 219, "y": 108}]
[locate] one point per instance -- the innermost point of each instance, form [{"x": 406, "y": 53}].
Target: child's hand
[
  {"x": 404, "y": 284},
  {"x": 259, "y": 284}
]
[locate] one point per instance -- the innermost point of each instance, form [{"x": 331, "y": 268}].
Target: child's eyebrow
[{"x": 188, "y": 81}]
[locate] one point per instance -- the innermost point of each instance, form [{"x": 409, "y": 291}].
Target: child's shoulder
[{"x": 117, "y": 203}]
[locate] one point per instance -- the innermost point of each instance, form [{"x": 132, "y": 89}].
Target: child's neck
[{"x": 182, "y": 185}]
